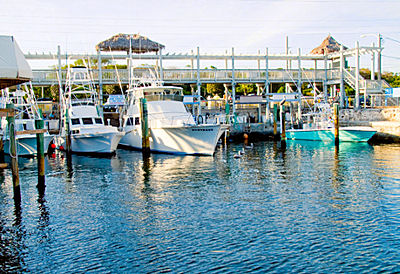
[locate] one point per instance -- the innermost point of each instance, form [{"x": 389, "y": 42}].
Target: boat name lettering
[{"x": 202, "y": 129}]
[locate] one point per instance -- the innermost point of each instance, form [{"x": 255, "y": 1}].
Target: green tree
[
  {"x": 111, "y": 89},
  {"x": 246, "y": 89},
  {"x": 216, "y": 88}
]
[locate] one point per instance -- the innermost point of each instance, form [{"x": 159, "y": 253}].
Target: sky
[{"x": 213, "y": 25}]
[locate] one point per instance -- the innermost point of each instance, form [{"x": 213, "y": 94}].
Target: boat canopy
[{"x": 14, "y": 69}]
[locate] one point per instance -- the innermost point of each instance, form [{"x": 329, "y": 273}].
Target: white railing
[{"x": 49, "y": 76}]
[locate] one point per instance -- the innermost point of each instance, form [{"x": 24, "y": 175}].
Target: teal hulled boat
[{"x": 346, "y": 134}]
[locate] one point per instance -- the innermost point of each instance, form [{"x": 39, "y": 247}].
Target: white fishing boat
[
  {"x": 26, "y": 112},
  {"x": 80, "y": 107},
  {"x": 172, "y": 128},
  {"x": 319, "y": 126}
]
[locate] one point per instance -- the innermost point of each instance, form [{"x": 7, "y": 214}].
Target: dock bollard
[
  {"x": 336, "y": 122},
  {"x": 275, "y": 121},
  {"x": 145, "y": 127},
  {"x": 13, "y": 155},
  {"x": 39, "y": 124}
]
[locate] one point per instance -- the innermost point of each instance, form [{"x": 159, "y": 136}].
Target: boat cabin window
[
  {"x": 75, "y": 121},
  {"x": 87, "y": 121},
  {"x": 129, "y": 122},
  {"x": 98, "y": 121},
  {"x": 137, "y": 121}
]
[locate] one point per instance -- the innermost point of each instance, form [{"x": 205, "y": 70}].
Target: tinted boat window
[
  {"x": 98, "y": 121},
  {"x": 137, "y": 121},
  {"x": 129, "y": 122},
  {"x": 75, "y": 121},
  {"x": 87, "y": 121}
]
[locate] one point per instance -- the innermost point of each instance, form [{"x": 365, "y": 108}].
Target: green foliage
[
  {"x": 246, "y": 89},
  {"x": 365, "y": 73},
  {"x": 54, "y": 91},
  {"x": 93, "y": 63},
  {"x": 393, "y": 79},
  {"x": 281, "y": 89},
  {"x": 48, "y": 92},
  {"x": 215, "y": 89},
  {"x": 111, "y": 89},
  {"x": 117, "y": 65}
]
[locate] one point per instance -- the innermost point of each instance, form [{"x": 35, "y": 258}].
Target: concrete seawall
[{"x": 385, "y": 120}]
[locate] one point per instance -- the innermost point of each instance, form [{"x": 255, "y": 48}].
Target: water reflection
[
  {"x": 147, "y": 189},
  {"x": 310, "y": 207},
  {"x": 12, "y": 242}
]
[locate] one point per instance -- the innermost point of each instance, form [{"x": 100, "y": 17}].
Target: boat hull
[
  {"x": 27, "y": 144},
  {"x": 346, "y": 134},
  {"x": 96, "y": 143},
  {"x": 189, "y": 140}
]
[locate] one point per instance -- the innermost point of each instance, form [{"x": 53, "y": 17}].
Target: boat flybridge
[
  {"x": 172, "y": 127},
  {"x": 83, "y": 118},
  {"x": 26, "y": 112}
]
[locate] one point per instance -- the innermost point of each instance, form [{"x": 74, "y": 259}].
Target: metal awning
[{"x": 14, "y": 69}]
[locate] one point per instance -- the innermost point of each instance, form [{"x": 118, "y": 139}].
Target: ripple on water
[{"x": 309, "y": 208}]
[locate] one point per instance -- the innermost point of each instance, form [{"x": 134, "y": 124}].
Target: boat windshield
[
  {"x": 161, "y": 93},
  {"x": 79, "y": 98}
]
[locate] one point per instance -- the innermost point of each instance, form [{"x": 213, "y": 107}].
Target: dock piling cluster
[{"x": 12, "y": 133}]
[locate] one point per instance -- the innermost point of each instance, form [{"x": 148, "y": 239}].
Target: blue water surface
[{"x": 308, "y": 207}]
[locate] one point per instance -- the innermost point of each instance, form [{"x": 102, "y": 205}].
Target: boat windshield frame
[{"x": 159, "y": 93}]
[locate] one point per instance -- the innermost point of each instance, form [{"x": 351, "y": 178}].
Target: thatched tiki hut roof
[
  {"x": 329, "y": 45},
  {"x": 121, "y": 42}
]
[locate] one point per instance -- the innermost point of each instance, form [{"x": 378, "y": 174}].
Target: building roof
[
  {"x": 121, "y": 42},
  {"x": 329, "y": 45}
]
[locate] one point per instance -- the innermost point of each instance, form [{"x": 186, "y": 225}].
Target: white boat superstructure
[
  {"x": 80, "y": 106},
  {"x": 172, "y": 127},
  {"x": 26, "y": 112}
]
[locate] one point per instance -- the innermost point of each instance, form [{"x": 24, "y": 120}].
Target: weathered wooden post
[
  {"x": 145, "y": 127},
  {"x": 336, "y": 122},
  {"x": 283, "y": 126},
  {"x": 67, "y": 133},
  {"x": 13, "y": 154},
  {"x": 275, "y": 121},
  {"x": 39, "y": 124}
]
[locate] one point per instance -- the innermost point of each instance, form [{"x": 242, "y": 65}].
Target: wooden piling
[
  {"x": 145, "y": 127},
  {"x": 283, "y": 126},
  {"x": 275, "y": 121},
  {"x": 67, "y": 133},
  {"x": 39, "y": 124},
  {"x": 13, "y": 155},
  {"x": 336, "y": 122}
]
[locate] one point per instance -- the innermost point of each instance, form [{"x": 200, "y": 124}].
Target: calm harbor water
[{"x": 306, "y": 208}]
